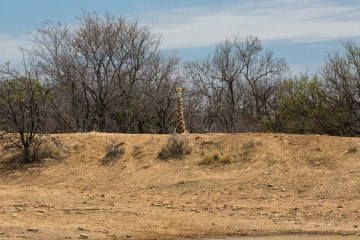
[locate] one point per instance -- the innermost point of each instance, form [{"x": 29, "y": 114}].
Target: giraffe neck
[
  {"x": 180, "y": 113},
  {"x": 180, "y": 124}
]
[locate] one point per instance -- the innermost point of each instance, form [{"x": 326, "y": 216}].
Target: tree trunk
[{"x": 26, "y": 153}]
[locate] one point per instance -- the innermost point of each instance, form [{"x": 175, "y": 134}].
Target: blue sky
[{"x": 302, "y": 31}]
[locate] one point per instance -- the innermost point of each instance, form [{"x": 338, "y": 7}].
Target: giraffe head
[{"x": 178, "y": 89}]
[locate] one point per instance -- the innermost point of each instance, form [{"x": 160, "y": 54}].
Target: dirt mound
[{"x": 114, "y": 186}]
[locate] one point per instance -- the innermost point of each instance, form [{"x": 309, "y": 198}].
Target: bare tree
[
  {"x": 61, "y": 65},
  {"x": 237, "y": 83},
  {"x": 108, "y": 74}
]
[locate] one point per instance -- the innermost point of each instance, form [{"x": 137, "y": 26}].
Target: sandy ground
[{"x": 259, "y": 184}]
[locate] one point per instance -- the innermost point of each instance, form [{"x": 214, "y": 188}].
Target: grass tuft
[
  {"x": 216, "y": 159},
  {"x": 137, "y": 151},
  {"x": 352, "y": 150},
  {"x": 114, "y": 152}
]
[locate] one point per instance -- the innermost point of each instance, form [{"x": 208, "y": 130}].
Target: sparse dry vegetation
[
  {"x": 12, "y": 158},
  {"x": 114, "y": 151},
  {"x": 137, "y": 151},
  {"x": 352, "y": 150},
  {"x": 250, "y": 145},
  {"x": 215, "y": 158},
  {"x": 176, "y": 148},
  {"x": 50, "y": 151},
  {"x": 321, "y": 162},
  {"x": 246, "y": 182}
]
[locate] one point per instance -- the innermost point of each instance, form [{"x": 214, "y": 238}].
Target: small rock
[
  {"x": 206, "y": 140},
  {"x": 356, "y": 226},
  {"x": 32, "y": 230},
  {"x": 358, "y": 235},
  {"x": 44, "y": 206},
  {"x": 181, "y": 182},
  {"x": 21, "y": 236},
  {"x": 12, "y": 210},
  {"x": 83, "y": 236},
  {"x": 158, "y": 204},
  {"x": 81, "y": 229},
  {"x": 128, "y": 236},
  {"x": 111, "y": 235},
  {"x": 352, "y": 171},
  {"x": 343, "y": 153},
  {"x": 104, "y": 231},
  {"x": 39, "y": 211},
  {"x": 102, "y": 195},
  {"x": 2, "y": 233}
]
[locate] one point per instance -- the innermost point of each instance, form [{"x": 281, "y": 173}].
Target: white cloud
[
  {"x": 9, "y": 48},
  {"x": 279, "y": 20}
]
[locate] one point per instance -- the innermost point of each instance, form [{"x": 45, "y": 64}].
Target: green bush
[{"x": 303, "y": 106}]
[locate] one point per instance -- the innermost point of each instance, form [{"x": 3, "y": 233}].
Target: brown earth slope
[{"x": 230, "y": 185}]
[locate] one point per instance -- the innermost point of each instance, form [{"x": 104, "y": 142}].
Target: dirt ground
[{"x": 229, "y": 185}]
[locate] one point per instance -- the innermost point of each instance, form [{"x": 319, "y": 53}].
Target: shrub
[
  {"x": 113, "y": 152},
  {"x": 248, "y": 145},
  {"x": 137, "y": 151},
  {"x": 12, "y": 158},
  {"x": 174, "y": 148},
  {"x": 43, "y": 147},
  {"x": 23, "y": 109},
  {"x": 305, "y": 105},
  {"x": 352, "y": 150}
]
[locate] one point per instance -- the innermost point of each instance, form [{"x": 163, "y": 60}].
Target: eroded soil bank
[
  {"x": 297, "y": 237},
  {"x": 229, "y": 185}
]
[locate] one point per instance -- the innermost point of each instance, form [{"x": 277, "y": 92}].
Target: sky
[{"x": 303, "y": 32}]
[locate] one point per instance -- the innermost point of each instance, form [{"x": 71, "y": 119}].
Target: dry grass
[
  {"x": 216, "y": 158},
  {"x": 137, "y": 151},
  {"x": 175, "y": 148},
  {"x": 114, "y": 151},
  {"x": 274, "y": 181},
  {"x": 13, "y": 159},
  {"x": 50, "y": 152},
  {"x": 250, "y": 145},
  {"x": 352, "y": 150}
]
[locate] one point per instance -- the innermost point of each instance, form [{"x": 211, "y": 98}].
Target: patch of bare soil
[{"x": 113, "y": 186}]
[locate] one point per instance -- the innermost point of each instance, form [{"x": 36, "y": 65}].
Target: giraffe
[{"x": 180, "y": 123}]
